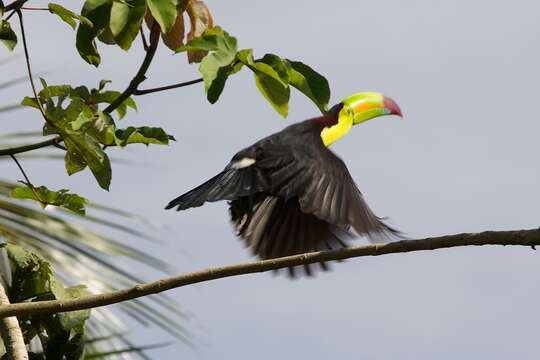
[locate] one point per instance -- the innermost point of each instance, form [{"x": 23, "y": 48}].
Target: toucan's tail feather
[
  {"x": 229, "y": 184},
  {"x": 195, "y": 197}
]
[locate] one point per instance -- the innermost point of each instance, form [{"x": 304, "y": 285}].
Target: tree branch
[
  {"x": 168, "y": 87},
  {"x": 137, "y": 79},
  {"x": 520, "y": 237},
  {"x": 15, "y": 5},
  {"x": 140, "y": 75},
  {"x": 11, "y": 333},
  {"x": 29, "y": 147},
  {"x": 29, "y": 67}
]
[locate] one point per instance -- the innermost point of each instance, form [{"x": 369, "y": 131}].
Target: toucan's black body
[{"x": 289, "y": 194}]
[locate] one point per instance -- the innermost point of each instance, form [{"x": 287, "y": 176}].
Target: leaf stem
[
  {"x": 34, "y": 8},
  {"x": 28, "y": 182},
  {"x": 21, "y": 169},
  {"x": 29, "y": 67},
  {"x": 140, "y": 75},
  {"x": 144, "y": 41},
  {"x": 168, "y": 87}
]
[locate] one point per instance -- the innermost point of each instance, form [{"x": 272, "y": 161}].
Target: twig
[
  {"x": 168, "y": 87},
  {"x": 29, "y": 67},
  {"x": 520, "y": 237},
  {"x": 15, "y": 5},
  {"x": 10, "y": 330},
  {"x": 28, "y": 182},
  {"x": 60, "y": 147},
  {"x": 143, "y": 37},
  {"x": 29, "y": 147},
  {"x": 140, "y": 75},
  {"x": 137, "y": 79},
  {"x": 21, "y": 169},
  {"x": 34, "y": 8}
]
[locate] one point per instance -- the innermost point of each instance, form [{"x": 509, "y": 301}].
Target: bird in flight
[{"x": 289, "y": 193}]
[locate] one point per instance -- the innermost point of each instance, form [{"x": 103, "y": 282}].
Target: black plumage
[{"x": 290, "y": 194}]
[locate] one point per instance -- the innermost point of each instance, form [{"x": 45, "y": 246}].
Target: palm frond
[{"x": 81, "y": 254}]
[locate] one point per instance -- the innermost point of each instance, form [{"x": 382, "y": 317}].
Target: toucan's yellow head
[{"x": 357, "y": 109}]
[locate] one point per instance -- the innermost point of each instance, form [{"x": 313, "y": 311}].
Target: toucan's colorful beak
[{"x": 391, "y": 106}]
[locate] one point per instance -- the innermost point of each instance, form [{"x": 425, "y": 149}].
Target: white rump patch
[{"x": 245, "y": 162}]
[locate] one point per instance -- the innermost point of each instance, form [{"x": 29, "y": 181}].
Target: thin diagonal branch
[
  {"x": 168, "y": 87},
  {"x": 28, "y": 182},
  {"x": 29, "y": 67},
  {"x": 11, "y": 333},
  {"x": 34, "y": 8},
  {"x": 137, "y": 79},
  {"x": 143, "y": 38},
  {"x": 29, "y": 147},
  {"x": 15, "y": 5},
  {"x": 21, "y": 169},
  {"x": 140, "y": 76},
  {"x": 518, "y": 238}
]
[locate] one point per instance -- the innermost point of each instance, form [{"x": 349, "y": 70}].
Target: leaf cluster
[
  {"x": 61, "y": 336},
  {"x": 273, "y": 74},
  {"x": 74, "y": 115},
  {"x": 85, "y": 122}
]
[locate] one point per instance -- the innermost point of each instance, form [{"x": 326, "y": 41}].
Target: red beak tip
[{"x": 391, "y": 105}]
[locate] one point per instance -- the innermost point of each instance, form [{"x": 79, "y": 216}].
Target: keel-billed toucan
[{"x": 288, "y": 193}]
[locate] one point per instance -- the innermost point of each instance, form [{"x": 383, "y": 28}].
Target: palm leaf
[{"x": 81, "y": 254}]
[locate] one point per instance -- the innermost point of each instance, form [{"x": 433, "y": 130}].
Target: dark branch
[
  {"x": 21, "y": 169},
  {"x": 34, "y": 8},
  {"x": 29, "y": 67},
  {"x": 168, "y": 87},
  {"x": 29, "y": 147},
  {"x": 28, "y": 182},
  {"x": 137, "y": 79},
  {"x": 15, "y": 5},
  {"x": 143, "y": 37},
  {"x": 520, "y": 237},
  {"x": 140, "y": 75}
]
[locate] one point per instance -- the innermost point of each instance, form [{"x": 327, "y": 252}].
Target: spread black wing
[{"x": 292, "y": 196}]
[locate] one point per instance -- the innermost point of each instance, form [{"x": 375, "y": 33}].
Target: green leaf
[
  {"x": 164, "y": 11},
  {"x": 212, "y": 39},
  {"x": 109, "y": 96},
  {"x": 60, "y": 335},
  {"x": 143, "y": 135},
  {"x": 31, "y": 102},
  {"x": 126, "y": 18},
  {"x": 74, "y": 162},
  {"x": 103, "y": 83},
  {"x": 278, "y": 64},
  {"x": 106, "y": 36},
  {"x": 68, "y": 16},
  {"x": 7, "y": 36},
  {"x": 269, "y": 82},
  {"x": 273, "y": 91},
  {"x": 310, "y": 83},
  {"x": 73, "y": 319},
  {"x": 44, "y": 196},
  {"x": 86, "y": 150},
  {"x": 83, "y": 149},
  {"x": 98, "y": 12},
  {"x": 216, "y": 66},
  {"x": 31, "y": 273}
]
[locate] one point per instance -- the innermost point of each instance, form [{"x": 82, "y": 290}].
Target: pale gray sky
[{"x": 465, "y": 158}]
